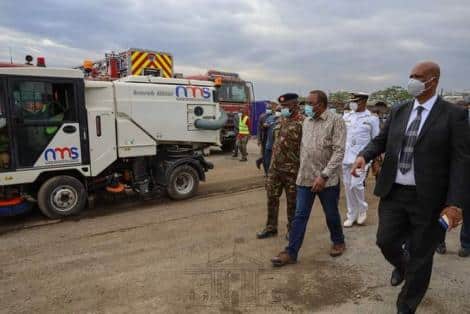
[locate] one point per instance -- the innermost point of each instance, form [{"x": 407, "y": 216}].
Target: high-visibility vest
[
  {"x": 242, "y": 127},
  {"x": 52, "y": 129}
]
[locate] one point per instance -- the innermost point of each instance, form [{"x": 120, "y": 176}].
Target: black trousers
[{"x": 403, "y": 218}]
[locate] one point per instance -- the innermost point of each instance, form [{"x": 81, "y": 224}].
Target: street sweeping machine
[{"x": 64, "y": 138}]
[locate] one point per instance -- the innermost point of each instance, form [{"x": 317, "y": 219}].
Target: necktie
[{"x": 406, "y": 155}]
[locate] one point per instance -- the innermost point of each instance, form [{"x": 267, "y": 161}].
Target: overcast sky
[{"x": 279, "y": 45}]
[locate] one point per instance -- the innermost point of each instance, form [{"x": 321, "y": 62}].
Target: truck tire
[
  {"x": 61, "y": 196},
  {"x": 183, "y": 182}
]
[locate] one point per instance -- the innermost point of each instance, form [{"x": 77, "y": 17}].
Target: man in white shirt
[{"x": 362, "y": 126}]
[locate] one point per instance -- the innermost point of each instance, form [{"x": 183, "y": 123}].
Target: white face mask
[
  {"x": 353, "y": 106},
  {"x": 277, "y": 114},
  {"x": 416, "y": 87}
]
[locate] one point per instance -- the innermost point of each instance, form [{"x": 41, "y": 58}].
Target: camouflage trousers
[{"x": 275, "y": 184}]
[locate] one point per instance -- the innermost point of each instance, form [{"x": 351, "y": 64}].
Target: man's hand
[
  {"x": 454, "y": 214},
  {"x": 360, "y": 164},
  {"x": 318, "y": 184},
  {"x": 259, "y": 143}
]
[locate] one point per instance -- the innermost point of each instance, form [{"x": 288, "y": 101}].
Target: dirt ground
[{"x": 202, "y": 256}]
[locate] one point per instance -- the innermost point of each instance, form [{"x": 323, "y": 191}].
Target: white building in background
[{"x": 456, "y": 96}]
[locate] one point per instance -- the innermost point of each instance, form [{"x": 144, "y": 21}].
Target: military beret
[{"x": 288, "y": 97}]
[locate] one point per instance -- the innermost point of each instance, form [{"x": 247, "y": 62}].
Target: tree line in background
[{"x": 390, "y": 95}]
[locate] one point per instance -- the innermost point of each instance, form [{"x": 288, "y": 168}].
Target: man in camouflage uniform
[{"x": 285, "y": 163}]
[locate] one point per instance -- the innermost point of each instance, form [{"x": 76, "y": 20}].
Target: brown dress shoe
[
  {"x": 337, "y": 250},
  {"x": 282, "y": 259}
]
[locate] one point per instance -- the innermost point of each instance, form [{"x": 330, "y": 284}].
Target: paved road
[{"x": 201, "y": 256}]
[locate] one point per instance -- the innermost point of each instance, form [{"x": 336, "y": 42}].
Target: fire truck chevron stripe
[
  {"x": 158, "y": 65},
  {"x": 161, "y": 61},
  {"x": 162, "y": 65},
  {"x": 163, "y": 71},
  {"x": 167, "y": 59},
  {"x": 141, "y": 60},
  {"x": 147, "y": 64},
  {"x": 166, "y": 68},
  {"x": 136, "y": 55},
  {"x": 137, "y": 66}
]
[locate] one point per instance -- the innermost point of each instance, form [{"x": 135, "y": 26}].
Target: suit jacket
[{"x": 441, "y": 154}]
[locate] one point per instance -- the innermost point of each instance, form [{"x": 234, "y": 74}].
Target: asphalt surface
[{"x": 202, "y": 256}]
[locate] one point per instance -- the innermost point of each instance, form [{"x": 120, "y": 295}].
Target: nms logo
[
  {"x": 61, "y": 153},
  {"x": 192, "y": 92}
]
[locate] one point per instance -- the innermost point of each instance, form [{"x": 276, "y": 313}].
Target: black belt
[
  {"x": 404, "y": 193},
  {"x": 404, "y": 187}
]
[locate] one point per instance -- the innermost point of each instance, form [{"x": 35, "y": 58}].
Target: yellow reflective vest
[
  {"x": 242, "y": 127},
  {"x": 52, "y": 129}
]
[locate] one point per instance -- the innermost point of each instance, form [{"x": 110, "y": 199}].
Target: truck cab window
[
  {"x": 40, "y": 109},
  {"x": 233, "y": 92},
  {"x": 42, "y": 101},
  {"x": 4, "y": 139}
]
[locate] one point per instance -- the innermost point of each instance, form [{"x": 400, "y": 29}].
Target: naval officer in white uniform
[{"x": 362, "y": 126}]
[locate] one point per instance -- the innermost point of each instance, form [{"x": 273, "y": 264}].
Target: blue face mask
[
  {"x": 285, "y": 112},
  {"x": 309, "y": 111},
  {"x": 269, "y": 111}
]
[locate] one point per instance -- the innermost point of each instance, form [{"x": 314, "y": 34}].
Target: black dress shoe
[
  {"x": 404, "y": 310},
  {"x": 441, "y": 248},
  {"x": 464, "y": 252},
  {"x": 266, "y": 233},
  {"x": 397, "y": 277}
]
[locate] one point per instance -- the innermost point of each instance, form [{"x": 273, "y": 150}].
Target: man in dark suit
[{"x": 424, "y": 176}]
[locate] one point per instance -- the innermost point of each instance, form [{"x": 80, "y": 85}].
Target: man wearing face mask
[
  {"x": 284, "y": 164},
  {"x": 362, "y": 126},
  {"x": 321, "y": 154},
  {"x": 262, "y": 133},
  {"x": 424, "y": 176},
  {"x": 271, "y": 122}
]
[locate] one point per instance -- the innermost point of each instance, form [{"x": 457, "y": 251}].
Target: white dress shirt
[{"x": 409, "y": 177}]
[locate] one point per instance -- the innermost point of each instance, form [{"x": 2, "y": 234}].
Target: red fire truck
[{"x": 234, "y": 95}]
